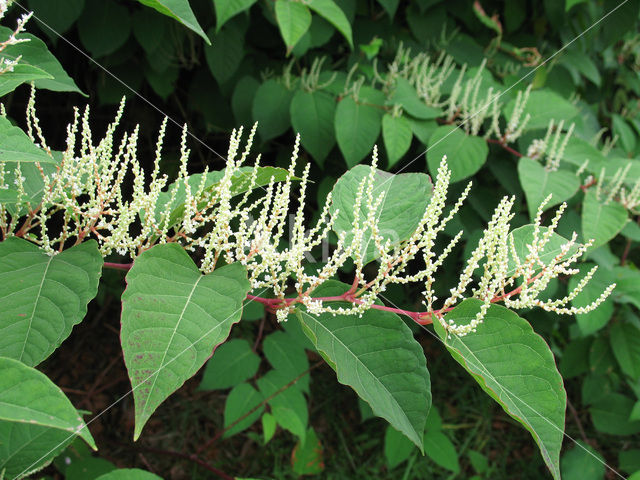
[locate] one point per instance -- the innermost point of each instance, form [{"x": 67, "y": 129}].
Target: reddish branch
[{"x": 504, "y": 145}]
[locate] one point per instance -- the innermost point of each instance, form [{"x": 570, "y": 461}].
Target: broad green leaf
[
  {"x": 37, "y": 420},
  {"x": 35, "y": 53},
  {"x": 239, "y": 184},
  {"x": 33, "y": 182},
  {"x": 271, "y": 109},
  {"x": 179, "y": 10},
  {"x": 575, "y": 358},
  {"x": 544, "y": 106},
  {"x": 390, "y": 6},
  {"x": 439, "y": 448},
  {"x": 610, "y": 414},
  {"x": 334, "y": 15},
  {"x": 406, "y": 96},
  {"x": 378, "y": 357},
  {"x": 150, "y": 30},
  {"x": 423, "y": 129},
  {"x": 129, "y": 474},
  {"x": 288, "y": 405},
  {"x": 578, "y": 151},
  {"x": 579, "y": 63},
  {"x": 627, "y": 280},
  {"x": 225, "y": 9},
  {"x": 85, "y": 468},
  {"x": 601, "y": 222},
  {"x": 8, "y": 196},
  {"x": 172, "y": 319},
  {"x": 307, "y": 455},
  {"x": 397, "y": 447},
  {"x": 241, "y": 400},
  {"x": 357, "y": 127},
  {"x": 523, "y": 236},
  {"x": 399, "y": 214},
  {"x": 287, "y": 357},
  {"x": 571, "y": 3},
  {"x": 104, "y": 27},
  {"x": 465, "y": 154},
  {"x": 58, "y": 16},
  {"x": 232, "y": 363},
  {"x": 242, "y": 99},
  {"x": 21, "y": 73},
  {"x": 397, "y": 135},
  {"x": 538, "y": 183},
  {"x": 629, "y": 460},
  {"x": 582, "y": 463},
  {"x": 593, "y": 321},
  {"x": 16, "y": 146},
  {"x": 516, "y": 368},
  {"x": 43, "y": 296},
  {"x": 268, "y": 427},
  {"x": 625, "y": 343},
  {"x": 294, "y": 19},
  {"x": 312, "y": 115},
  {"x": 621, "y": 128},
  {"x": 226, "y": 51}
]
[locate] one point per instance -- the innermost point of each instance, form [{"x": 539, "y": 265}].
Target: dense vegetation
[{"x": 107, "y": 237}]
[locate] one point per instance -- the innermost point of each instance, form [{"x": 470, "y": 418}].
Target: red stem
[
  {"x": 118, "y": 266},
  {"x": 505, "y": 146}
]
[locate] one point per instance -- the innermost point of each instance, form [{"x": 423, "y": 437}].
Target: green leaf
[
  {"x": 307, "y": 455},
  {"x": 312, "y": 116},
  {"x": 43, "y": 296},
  {"x": 37, "y": 420},
  {"x": 399, "y": 214},
  {"x": 538, "y": 183},
  {"x": 16, "y": 146},
  {"x": 35, "y": 53},
  {"x": 288, "y": 406},
  {"x": 294, "y": 19},
  {"x": 579, "y": 62},
  {"x": 268, "y": 427},
  {"x": 287, "y": 357},
  {"x": 405, "y": 95},
  {"x": 104, "y": 27},
  {"x": 58, "y": 16},
  {"x": 150, "y": 30},
  {"x": 601, "y": 222},
  {"x": 593, "y": 321},
  {"x": 627, "y": 281},
  {"x": 86, "y": 468},
  {"x": 397, "y": 447},
  {"x": 179, "y": 10},
  {"x": 172, "y": 319},
  {"x": 571, "y": 3},
  {"x": 516, "y": 368},
  {"x": 240, "y": 183},
  {"x": 225, "y": 9},
  {"x": 544, "y": 106},
  {"x": 242, "y": 99},
  {"x": 21, "y": 73},
  {"x": 397, "y": 135},
  {"x": 625, "y": 343},
  {"x": 575, "y": 358},
  {"x": 334, "y": 15},
  {"x": 621, "y": 128},
  {"x": 226, "y": 52},
  {"x": 582, "y": 463},
  {"x": 129, "y": 474},
  {"x": 232, "y": 363},
  {"x": 357, "y": 128},
  {"x": 439, "y": 448},
  {"x": 390, "y": 6},
  {"x": 465, "y": 154},
  {"x": 8, "y": 196},
  {"x": 241, "y": 400},
  {"x": 610, "y": 414},
  {"x": 523, "y": 236},
  {"x": 378, "y": 357},
  {"x": 271, "y": 109},
  {"x": 33, "y": 183}
]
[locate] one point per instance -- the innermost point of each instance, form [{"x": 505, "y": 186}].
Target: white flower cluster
[
  {"x": 223, "y": 216},
  {"x": 516, "y": 124},
  {"x": 7, "y": 64},
  {"x": 531, "y": 274},
  {"x": 552, "y": 145},
  {"x": 614, "y": 188}
]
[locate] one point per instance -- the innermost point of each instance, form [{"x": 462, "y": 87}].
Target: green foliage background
[{"x": 232, "y": 63}]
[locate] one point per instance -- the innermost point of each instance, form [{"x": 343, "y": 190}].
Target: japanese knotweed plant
[{"x": 200, "y": 247}]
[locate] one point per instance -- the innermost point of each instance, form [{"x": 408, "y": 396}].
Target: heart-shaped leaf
[
  {"x": 399, "y": 214},
  {"x": 357, "y": 127},
  {"x": 312, "y": 116},
  {"x": 172, "y": 319},
  {"x": 538, "y": 183},
  {"x": 601, "y": 222},
  {"x": 43, "y": 296},
  {"x": 465, "y": 153},
  {"x": 397, "y": 134}
]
